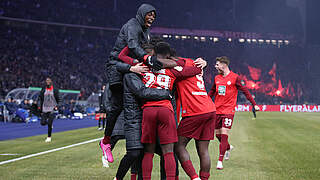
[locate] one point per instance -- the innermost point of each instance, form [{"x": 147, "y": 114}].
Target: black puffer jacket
[
  {"x": 134, "y": 92},
  {"x": 55, "y": 93},
  {"x": 132, "y": 34},
  {"x": 106, "y": 101},
  {"x": 106, "y": 98}
]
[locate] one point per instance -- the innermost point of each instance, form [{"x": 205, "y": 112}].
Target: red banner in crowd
[{"x": 280, "y": 108}]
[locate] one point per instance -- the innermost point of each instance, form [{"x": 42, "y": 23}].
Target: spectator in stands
[
  {"x": 34, "y": 109},
  {"x": 1, "y": 111},
  {"x": 66, "y": 110},
  {"x": 11, "y": 107},
  {"x": 24, "y": 105}
]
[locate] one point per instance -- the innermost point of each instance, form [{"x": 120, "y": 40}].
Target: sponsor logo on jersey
[
  {"x": 178, "y": 68},
  {"x": 199, "y": 93}
]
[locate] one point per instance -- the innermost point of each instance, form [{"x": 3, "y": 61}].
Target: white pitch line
[{"x": 49, "y": 151}]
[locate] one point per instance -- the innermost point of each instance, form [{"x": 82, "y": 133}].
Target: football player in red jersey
[
  {"x": 225, "y": 91},
  {"x": 198, "y": 119},
  {"x": 166, "y": 131},
  {"x": 158, "y": 117}
]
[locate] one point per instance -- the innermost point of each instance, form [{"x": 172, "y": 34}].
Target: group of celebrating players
[{"x": 155, "y": 89}]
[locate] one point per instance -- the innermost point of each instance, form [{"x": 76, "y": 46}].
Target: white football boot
[
  {"x": 105, "y": 163},
  {"x": 219, "y": 165},
  {"x": 48, "y": 140},
  {"x": 227, "y": 154}
]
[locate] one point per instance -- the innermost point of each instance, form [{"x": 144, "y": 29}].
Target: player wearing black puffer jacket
[{"x": 132, "y": 34}]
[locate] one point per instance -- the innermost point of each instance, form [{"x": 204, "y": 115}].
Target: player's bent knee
[
  {"x": 224, "y": 131},
  {"x": 167, "y": 148}
]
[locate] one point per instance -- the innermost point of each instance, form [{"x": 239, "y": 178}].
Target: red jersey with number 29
[
  {"x": 192, "y": 95},
  {"x": 162, "y": 79}
]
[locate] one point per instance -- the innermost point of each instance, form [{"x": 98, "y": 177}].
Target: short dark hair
[
  {"x": 223, "y": 59},
  {"x": 162, "y": 48}
]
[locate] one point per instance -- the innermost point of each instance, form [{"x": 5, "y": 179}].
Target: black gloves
[{"x": 153, "y": 62}]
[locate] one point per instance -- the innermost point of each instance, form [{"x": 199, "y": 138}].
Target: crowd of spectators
[
  {"x": 271, "y": 16},
  {"x": 292, "y": 67},
  {"x": 19, "y": 110},
  {"x": 75, "y": 59},
  {"x": 25, "y": 110}
]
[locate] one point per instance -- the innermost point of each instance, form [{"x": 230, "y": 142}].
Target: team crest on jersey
[
  {"x": 178, "y": 68},
  {"x": 222, "y": 90},
  {"x": 243, "y": 83},
  {"x": 229, "y": 82}
]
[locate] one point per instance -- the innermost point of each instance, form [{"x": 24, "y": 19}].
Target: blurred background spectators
[{"x": 75, "y": 56}]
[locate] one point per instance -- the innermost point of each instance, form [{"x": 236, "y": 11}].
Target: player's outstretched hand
[
  {"x": 139, "y": 68},
  {"x": 200, "y": 63},
  {"x": 256, "y": 107}
]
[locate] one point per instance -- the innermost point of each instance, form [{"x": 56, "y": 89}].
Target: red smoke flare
[{"x": 270, "y": 85}]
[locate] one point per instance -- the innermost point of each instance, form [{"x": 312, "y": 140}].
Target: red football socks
[
  {"x": 189, "y": 169},
  {"x": 204, "y": 175},
  {"x": 106, "y": 140},
  {"x": 170, "y": 166},
  {"x": 133, "y": 176},
  {"x": 224, "y": 144},
  {"x": 147, "y": 165}
]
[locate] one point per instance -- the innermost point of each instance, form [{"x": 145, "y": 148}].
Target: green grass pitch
[{"x": 274, "y": 146}]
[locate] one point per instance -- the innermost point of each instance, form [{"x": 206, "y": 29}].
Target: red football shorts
[
  {"x": 224, "y": 120},
  {"x": 158, "y": 121},
  {"x": 199, "y": 127}
]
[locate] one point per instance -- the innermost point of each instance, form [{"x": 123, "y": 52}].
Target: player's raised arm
[
  {"x": 182, "y": 71},
  {"x": 246, "y": 92},
  {"x": 123, "y": 56}
]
